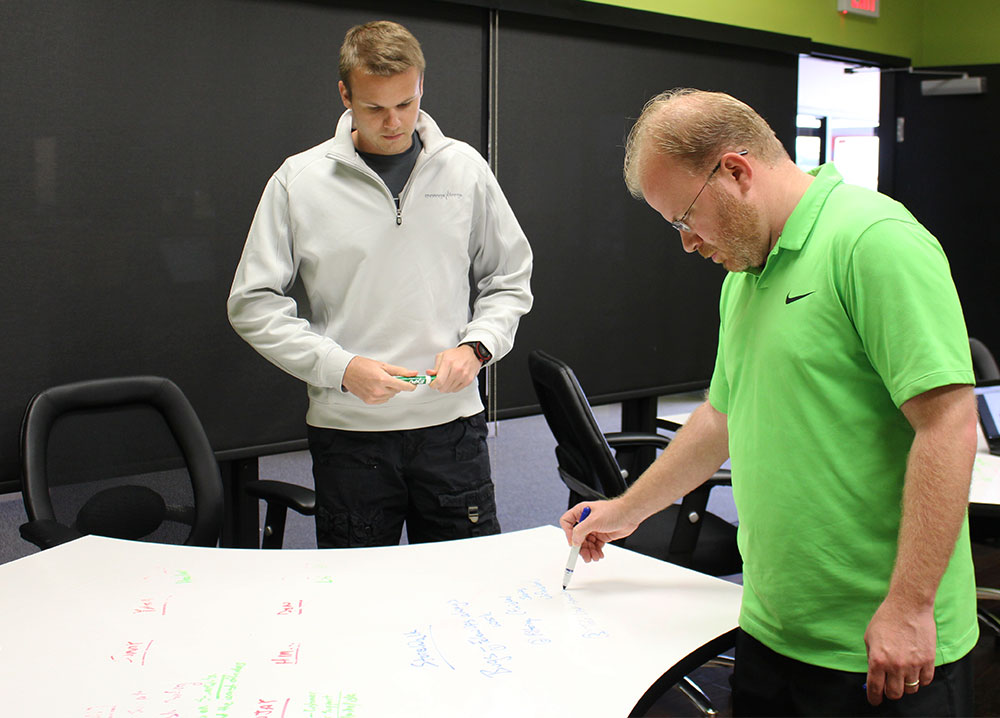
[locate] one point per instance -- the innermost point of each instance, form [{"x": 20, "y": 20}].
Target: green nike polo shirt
[{"x": 854, "y": 312}]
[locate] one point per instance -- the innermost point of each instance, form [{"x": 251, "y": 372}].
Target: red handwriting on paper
[
  {"x": 149, "y": 605},
  {"x": 288, "y": 656},
  {"x": 136, "y": 652},
  {"x": 291, "y": 608},
  {"x": 174, "y": 693},
  {"x": 100, "y": 712},
  {"x": 267, "y": 708}
]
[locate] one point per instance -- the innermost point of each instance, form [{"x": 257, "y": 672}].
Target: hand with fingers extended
[
  {"x": 901, "y": 643},
  {"x": 608, "y": 521},
  {"x": 454, "y": 369},
  {"x": 375, "y": 382}
]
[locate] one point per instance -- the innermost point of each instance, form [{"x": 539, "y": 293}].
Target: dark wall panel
[
  {"x": 615, "y": 294},
  {"x": 944, "y": 174},
  {"x": 137, "y": 136}
]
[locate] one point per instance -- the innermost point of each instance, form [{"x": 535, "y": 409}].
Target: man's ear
[
  {"x": 345, "y": 94},
  {"x": 736, "y": 167}
]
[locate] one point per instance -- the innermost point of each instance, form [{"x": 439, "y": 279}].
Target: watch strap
[{"x": 482, "y": 353}]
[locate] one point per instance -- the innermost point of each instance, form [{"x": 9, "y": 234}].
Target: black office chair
[
  {"x": 154, "y": 508},
  {"x": 279, "y": 497},
  {"x": 983, "y": 363},
  {"x": 685, "y": 534}
]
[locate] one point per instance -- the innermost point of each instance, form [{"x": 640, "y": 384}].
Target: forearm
[
  {"x": 697, "y": 452},
  {"x": 267, "y": 321},
  {"x": 935, "y": 500},
  {"x": 901, "y": 638}
]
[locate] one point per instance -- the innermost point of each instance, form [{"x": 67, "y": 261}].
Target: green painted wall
[
  {"x": 961, "y": 32},
  {"x": 929, "y": 32}
]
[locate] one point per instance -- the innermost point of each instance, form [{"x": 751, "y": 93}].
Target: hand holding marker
[
  {"x": 419, "y": 379},
  {"x": 574, "y": 553}
]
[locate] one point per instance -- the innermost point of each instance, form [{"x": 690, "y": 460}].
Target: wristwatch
[{"x": 482, "y": 353}]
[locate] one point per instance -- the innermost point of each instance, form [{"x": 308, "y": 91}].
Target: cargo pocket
[
  {"x": 342, "y": 529},
  {"x": 472, "y": 445},
  {"x": 471, "y": 513}
]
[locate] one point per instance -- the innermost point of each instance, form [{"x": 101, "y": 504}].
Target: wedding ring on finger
[{"x": 911, "y": 684}]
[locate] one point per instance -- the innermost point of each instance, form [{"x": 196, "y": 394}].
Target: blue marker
[{"x": 574, "y": 553}]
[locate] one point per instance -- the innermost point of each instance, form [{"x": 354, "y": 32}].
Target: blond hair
[
  {"x": 696, "y": 128},
  {"x": 379, "y": 48}
]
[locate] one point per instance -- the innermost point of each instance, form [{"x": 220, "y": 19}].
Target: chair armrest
[
  {"x": 722, "y": 477},
  {"x": 292, "y": 496},
  {"x": 987, "y": 594},
  {"x": 46, "y": 533},
  {"x": 579, "y": 488},
  {"x": 620, "y": 439}
]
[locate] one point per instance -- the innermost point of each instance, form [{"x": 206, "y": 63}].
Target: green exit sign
[{"x": 858, "y": 7}]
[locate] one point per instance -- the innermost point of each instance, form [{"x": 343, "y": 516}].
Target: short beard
[{"x": 739, "y": 238}]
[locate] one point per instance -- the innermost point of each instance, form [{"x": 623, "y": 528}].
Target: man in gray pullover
[{"x": 385, "y": 224}]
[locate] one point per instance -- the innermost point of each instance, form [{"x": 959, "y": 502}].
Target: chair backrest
[
  {"x": 983, "y": 362},
  {"x": 586, "y": 462},
  {"x": 127, "y": 511}
]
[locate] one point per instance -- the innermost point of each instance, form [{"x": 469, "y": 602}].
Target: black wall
[
  {"x": 616, "y": 296},
  {"x": 945, "y": 173},
  {"x": 136, "y": 139},
  {"x": 138, "y": 135}
]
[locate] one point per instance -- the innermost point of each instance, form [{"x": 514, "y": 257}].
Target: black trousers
[
  {"x": 766, "y": 683},
  {"x": 436, "y": 480}
]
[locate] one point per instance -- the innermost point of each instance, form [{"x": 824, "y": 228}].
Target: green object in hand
[{"x": 419, "y": 379}]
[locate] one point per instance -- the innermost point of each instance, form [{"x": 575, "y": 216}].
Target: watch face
[{"x": 482, "y": 353}]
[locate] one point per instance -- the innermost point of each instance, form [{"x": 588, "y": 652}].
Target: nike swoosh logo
[{"x": 789, "y": 298}]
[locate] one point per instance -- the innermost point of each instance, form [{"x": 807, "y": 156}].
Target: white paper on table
[
  {"x": 985, "y": 488},
  {"x": 102, "y": 628}
]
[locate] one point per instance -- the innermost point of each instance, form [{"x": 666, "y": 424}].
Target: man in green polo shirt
[{"x": 841, "y": 394}]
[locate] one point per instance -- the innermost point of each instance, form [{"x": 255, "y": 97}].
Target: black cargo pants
[{"x": 436, "y": 480}]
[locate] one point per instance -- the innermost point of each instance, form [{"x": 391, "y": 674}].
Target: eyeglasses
[{"x": 681, "y": 224}]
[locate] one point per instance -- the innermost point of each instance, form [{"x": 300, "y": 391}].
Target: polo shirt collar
[
  {"x": 803, "y": 217},
  {"x": 800, "y": 222}
]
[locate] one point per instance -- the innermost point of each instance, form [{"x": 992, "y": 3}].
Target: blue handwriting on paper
[
  {"x": 588, "y": 626},
  {"x": 534, "y": 633},
  {"x": 495, "y": 656}
]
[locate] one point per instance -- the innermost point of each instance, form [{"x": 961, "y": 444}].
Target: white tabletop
[{"x": 102, "y": 628}]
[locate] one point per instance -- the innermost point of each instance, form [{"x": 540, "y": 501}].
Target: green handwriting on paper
[
  {"x": 347, "y": 705},
  {"x": 219, "y": 692},
  {"x": 182, "y": 577},
  {"x": 344, "y": 705}
]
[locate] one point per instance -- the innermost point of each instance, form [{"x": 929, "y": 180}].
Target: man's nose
[
  {"x": 392, "y": 118},
  {"x": 691, "y": 241}
]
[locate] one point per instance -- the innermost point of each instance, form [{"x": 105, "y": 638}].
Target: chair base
[{"x": 697, "y": 696}]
